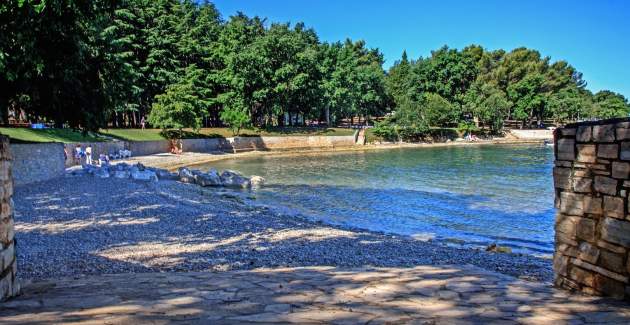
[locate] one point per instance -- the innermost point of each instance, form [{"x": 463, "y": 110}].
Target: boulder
[
  {"x": 101, "y": 173},
  {"x": 166, "y": 175},
  {"x": 121, "y": 173},
  {"x": 185, "y": 175},
  {"x": 233, "y": 179},
  {"x": 122, "y": 166},
  {"x": 498, "y": 249},
  {"x": 208, "y": 179},
  {"x": 257, "y": 181},
  {"x": 144, "y": 175}
]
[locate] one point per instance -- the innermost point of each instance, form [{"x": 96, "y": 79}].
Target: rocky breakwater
[{"x": 139, "y": 172}]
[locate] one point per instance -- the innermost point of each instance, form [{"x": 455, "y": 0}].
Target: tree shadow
[{"x": 92, "y": 226}]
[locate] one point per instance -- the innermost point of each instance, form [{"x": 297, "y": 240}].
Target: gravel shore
[{"x": 84, "y": 225}]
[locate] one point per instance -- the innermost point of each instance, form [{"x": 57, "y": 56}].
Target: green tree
[
  {"x": 488, "y": 104},
  {"x": 608, "y": 104},
  {"x": 183, "y": 105}
]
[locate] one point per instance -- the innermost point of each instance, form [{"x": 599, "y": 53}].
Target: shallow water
[{"x": 472, "y": 195}]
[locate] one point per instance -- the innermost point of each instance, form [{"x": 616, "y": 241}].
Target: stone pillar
[
  {"x": 592, "y": 181},
  {"x": 8, "y": 264}
]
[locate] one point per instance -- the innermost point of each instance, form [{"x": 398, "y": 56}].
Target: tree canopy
[{"x": 179, "y": 64}]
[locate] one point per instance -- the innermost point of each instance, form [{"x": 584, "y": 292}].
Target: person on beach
[
  {"x": 88, "y": 154},
  {"x": 78, "y": 154}
]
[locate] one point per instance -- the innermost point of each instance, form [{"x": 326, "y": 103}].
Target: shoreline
[
  {"x": 188, "y": 159},
  {"x": 167, "y": 226}
]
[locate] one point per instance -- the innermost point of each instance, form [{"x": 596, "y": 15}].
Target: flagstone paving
[{"x": 311, "y": 295}]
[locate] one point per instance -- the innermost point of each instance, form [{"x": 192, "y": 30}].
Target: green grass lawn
[
  {"x": 68, "y": 135},
  {"x": 49, "y": 135}
]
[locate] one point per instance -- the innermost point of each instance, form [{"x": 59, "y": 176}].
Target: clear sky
[{"x": 593, "y": 36}]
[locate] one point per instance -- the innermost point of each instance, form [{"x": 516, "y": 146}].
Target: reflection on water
[{"x": 474, "y": 194}]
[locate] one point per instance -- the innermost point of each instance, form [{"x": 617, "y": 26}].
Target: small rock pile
[{"x": 139, "y": 172}]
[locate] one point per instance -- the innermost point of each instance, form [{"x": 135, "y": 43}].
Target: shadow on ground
[{"x": 124, "y": 234}]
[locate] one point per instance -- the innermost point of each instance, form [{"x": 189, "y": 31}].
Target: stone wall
[
  {"x": 8, "y": 265},
  {"x": 37, "y": 162},
  {"x": 592, "y": 182},
  {"x": 97, "y": 148}
]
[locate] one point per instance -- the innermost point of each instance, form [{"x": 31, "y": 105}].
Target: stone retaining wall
[
  {"x": 592, "y": 182},
  {"x": 37, "y": 162},
  {"x": 8, "y": 265},
  {"x": 44, "y": 161}
]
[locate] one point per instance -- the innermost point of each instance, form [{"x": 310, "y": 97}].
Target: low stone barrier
[
  {"x": 44, "y": 161},
  {"x": 591, "y": 180},
  {"x": 8, "y": 264},
  {"x": 37, "y": 162}
]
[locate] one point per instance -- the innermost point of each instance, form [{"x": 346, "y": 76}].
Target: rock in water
[
  {"x": 498, "y": 249},
  {"x": 233, "y": 179},
  {"x": 211, "y": 178},
  {"x": 257, "y": 181},
  {"x": 144, "y": 175},
  {"x": 166, "y": 175},
  {"x": 185, "y": 175}
]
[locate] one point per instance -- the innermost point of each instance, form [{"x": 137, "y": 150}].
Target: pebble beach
[{"x": 73, "y": 226}]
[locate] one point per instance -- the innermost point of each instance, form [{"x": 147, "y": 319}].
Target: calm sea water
[{"x": 472, "y": 196}]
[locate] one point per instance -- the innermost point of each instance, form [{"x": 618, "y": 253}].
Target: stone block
[
  {"x": 620, "y": 170},
  {"x": 624, "y": 152},
  {"x": 609, "y": 287},
  {"x": 566, "y": 249},
  {"x": 599, "y": 270},
  {"x": 7, "y": 232},
  {"x": 582, "y": 173},
  {"x": 611, "y": 261},
  {"x": 584, "y": 134},
  {"x": 561, "y": 163},
  {"x": 608, "y": 151},
  {"x": 582, "y": 184},
  {"x": 588, "y": 252},
  {"x": 592, "y": 205},
  {"x": 567, "y": 225},
  {"x": 560, "y": 264},
  {"x": 568, "y": 239},
  {"x": 7, "y": 255},
  {"x": 585, "y": 229},
  {"x": 614, "y": 207},
  {"x": 611, "y": 247},
  {"x": 604, "y": 133},
  {"x": 586, "y": 153},
  {"x": 566, "y": 149},
  {"x": 616, "y": 231},
  {"x": 603, "y": 161},
  {"x": 582, "y": 276},
  {"x": 562, "y": 178},
  {"x": 622, "y": 131},
  {"x": 572, "y": 204},
  {"x": 567, "y": 131},
  {"x": 605, "y": 185}
]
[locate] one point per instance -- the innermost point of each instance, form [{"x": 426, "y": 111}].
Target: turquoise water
[{"x": 473, "y": 195}]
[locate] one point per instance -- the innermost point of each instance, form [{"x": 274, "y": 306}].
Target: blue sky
[{"x": 594, "y": 36}]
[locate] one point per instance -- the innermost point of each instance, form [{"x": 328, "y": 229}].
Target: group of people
[
  {"x": 471, "y": 137},
  {"x": 83, "y": 156}
]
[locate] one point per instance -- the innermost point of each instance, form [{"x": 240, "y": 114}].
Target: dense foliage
[
  {"x": 178, "y": 64},
  {"x": 475, "y": 88}
]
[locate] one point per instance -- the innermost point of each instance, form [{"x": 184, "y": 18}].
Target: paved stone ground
[{"x": 420, "y": 295}]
